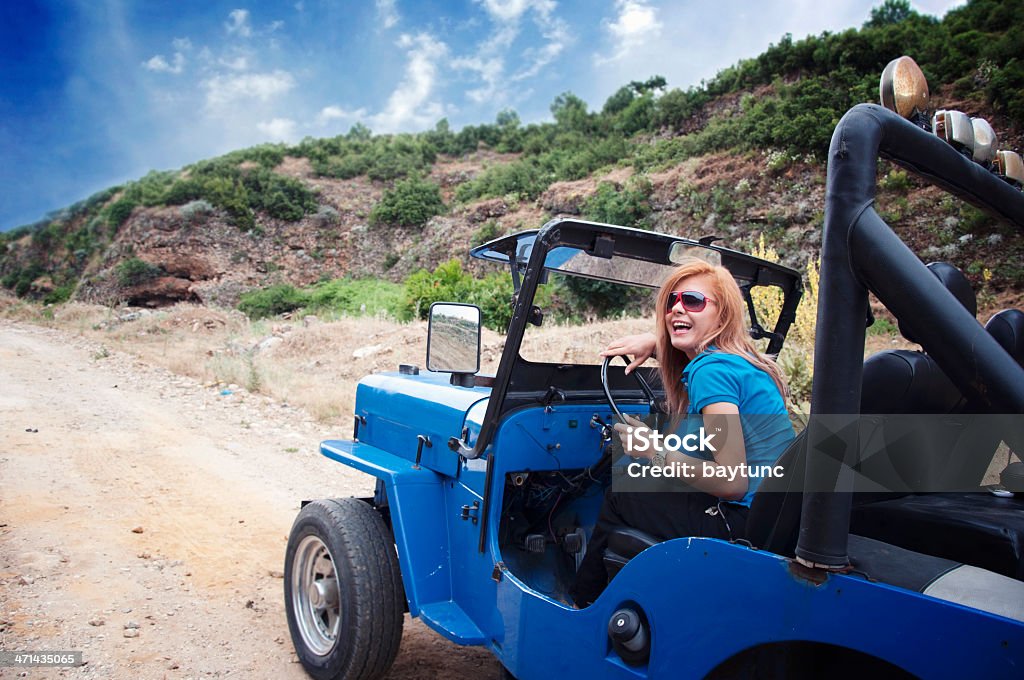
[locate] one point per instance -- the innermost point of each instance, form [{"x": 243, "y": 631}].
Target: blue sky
[{"x": 96, "y": 92}]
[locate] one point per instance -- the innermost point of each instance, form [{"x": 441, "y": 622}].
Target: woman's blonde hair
[{"x": 731, "y": 335}]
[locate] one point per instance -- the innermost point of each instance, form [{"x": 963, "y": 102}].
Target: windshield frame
[{"x": 601, "y": 240}]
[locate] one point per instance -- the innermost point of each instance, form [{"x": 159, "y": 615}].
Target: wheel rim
[{"x": 316, "y": 595}]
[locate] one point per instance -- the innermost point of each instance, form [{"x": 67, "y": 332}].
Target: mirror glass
[
  {"x": 681, "y": 252},
  {"x": 453, "y": 338}
]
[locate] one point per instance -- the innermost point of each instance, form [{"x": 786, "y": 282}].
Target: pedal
[
  {"x": 535, "y": 543},
  {"x": 572, "y": 543}
]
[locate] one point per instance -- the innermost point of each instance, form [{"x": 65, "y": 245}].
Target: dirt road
[{"x": 144, "y": 516}]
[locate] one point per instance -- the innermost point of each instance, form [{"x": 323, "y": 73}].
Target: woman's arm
[
  {"x": 727, "y": 474},
  {"x": 640, "y": 346},
  {"x": 723, "y": 420}
]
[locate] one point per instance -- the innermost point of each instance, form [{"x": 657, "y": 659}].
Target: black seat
[
  {"x": 625, "y": 543},
  {"x": 1007, "y": 327},
  {"x": 974, "y": 528}
]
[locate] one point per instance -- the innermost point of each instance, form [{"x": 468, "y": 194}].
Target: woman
[{"x": 712, "y": 372}]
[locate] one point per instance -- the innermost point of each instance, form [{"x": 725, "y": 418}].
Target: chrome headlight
[
  {"x": 955, "y": 127},
  {"x": 1010, "y": 166},
  {"x": 904, "y": 89},
  {"x": 985, "y": 141}
]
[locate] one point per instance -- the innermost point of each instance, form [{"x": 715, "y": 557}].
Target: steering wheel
[{"x": 645, "y": 387}]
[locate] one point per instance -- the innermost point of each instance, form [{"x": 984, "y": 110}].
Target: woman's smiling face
[{"x": 688, "y": 330}]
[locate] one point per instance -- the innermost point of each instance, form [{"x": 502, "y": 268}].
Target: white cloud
[
  {"x": 239, "y": 23},
  {"x": 636, "y": 24},
  {"x": 222, "y": 90},
  {"x": 240, "y": 63},
  {"x": 332, "y": 113},
  {"x": 160, "y": 65},
  {"x": 556, "y": 32},
  {"x": 409, "y": 106},
  {"x": 513, "y": 10},
  {"x": 278, "y": 129},
  {"x": 491, "y": 55},
  {"x": 490, "y": 71},
  {"x": 181, "y": 44},
  {"x": 387, "y": 12}
]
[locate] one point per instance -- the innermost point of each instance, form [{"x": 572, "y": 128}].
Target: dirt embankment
[{"x": 143, "y": 519}]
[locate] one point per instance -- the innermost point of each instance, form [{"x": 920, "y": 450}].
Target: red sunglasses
[{"x": 691, "y": 299}]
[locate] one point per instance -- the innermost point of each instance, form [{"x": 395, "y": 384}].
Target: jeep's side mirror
[{"x": 453, "y": 340}]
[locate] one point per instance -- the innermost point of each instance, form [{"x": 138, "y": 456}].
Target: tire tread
[{"x": 371, "y": 586}]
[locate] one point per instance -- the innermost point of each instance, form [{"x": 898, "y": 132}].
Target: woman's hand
[
  {"x": 640, "y": 346},
  {"x": 627, "y": 432}
]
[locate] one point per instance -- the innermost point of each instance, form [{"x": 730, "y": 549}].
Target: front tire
[{"x": 343, "y": 591}]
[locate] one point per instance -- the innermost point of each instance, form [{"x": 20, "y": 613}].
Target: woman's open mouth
[{"x": 680, "y": 326}]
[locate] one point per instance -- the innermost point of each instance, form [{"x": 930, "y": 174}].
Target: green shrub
[
  {"x": 151, "y": 189},
  {"x": 356, "y": 297},
  {"x": 409, "y": 203},
  {"x": 676, "y": 107},
  {"x": 524, "y": 178},
  {"x": 488, "y": 231},
  {"x": 897, "y": 181},
  {"x": 59, "y": 294},
  {"x": 449, "y": 283},
  {"x": 883, "y": 327},
  {"x": 267, "y": 156},
  {"x": 222, "y": 183},
  {"x": 184, "y": 191},
  {"x": 119, "y": 211},
  {"x": 327, "y": 216},
  {"x": 493, "y": 294},
  {"x": 272, "y": 300},
  {"x": 282, "y": 197},
  {"x": 195, "y": 210},
  {"x": 20, "y": 280},
  {"x": 133, "y": 271},
  {"x": 626, "y": 207},
  {"x": 381, "y": 158}
]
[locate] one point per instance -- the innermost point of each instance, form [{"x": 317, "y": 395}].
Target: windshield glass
[{"x": 617, "y": 269}]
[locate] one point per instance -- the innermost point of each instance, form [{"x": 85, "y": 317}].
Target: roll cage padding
[{"x": 861, "y": 253}]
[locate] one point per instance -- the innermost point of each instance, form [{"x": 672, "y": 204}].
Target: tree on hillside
[
  {"x": 890, "y": 12},
  {"x": 570, "y": 113}
]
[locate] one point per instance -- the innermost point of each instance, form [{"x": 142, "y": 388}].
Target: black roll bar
[{"x": 861, "y": 253}]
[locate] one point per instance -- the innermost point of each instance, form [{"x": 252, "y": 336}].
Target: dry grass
[{"x": 311, "y": 363}]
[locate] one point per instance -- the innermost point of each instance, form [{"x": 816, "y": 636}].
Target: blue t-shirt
[{"x": 713, "y": 377}]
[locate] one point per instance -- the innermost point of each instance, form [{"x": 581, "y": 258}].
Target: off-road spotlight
[
  {"x": 985, "y": 141},
  {"x": 1010, "y": 167},
  {"x": 955, "y": 127},
  {"x": 904, "y": 89}
]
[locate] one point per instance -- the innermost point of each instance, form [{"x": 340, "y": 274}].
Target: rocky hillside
[{"x": 741, "y": 158}]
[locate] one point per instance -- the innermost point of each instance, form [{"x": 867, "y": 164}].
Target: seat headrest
[
  {"x": 902, "y": 381},
  {"x": 1007, "y": 327},
  {"x": 956, "y": 283}
]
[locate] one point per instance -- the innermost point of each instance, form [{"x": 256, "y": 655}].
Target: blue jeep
[{"x": 488, "y": 486}]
